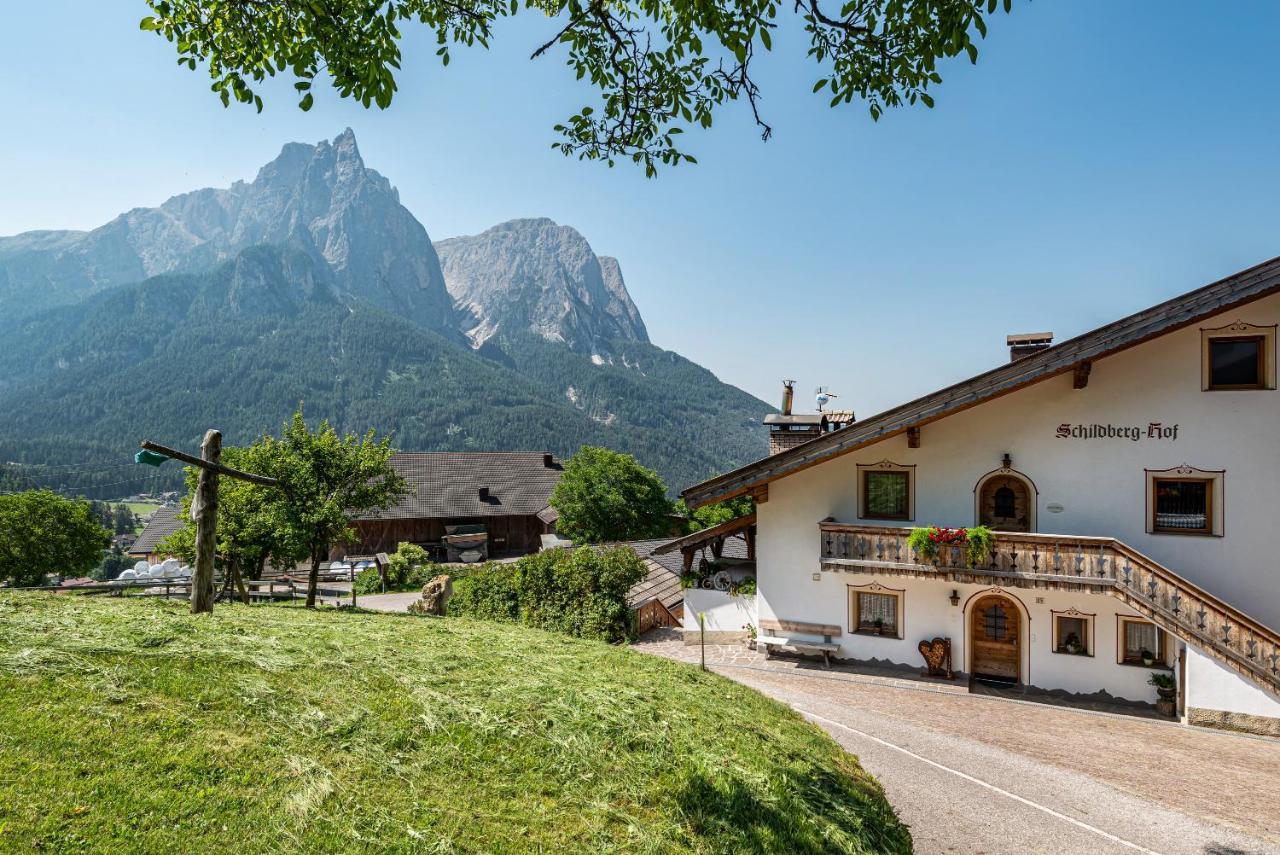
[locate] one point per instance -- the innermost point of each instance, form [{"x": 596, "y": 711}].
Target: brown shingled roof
[
  {"x": 663, "y": 580},
  {"x": 164, "y": 521},
  {"x": 449, "y": 484}
]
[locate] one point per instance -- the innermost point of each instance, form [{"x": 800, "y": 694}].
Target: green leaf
[
  {"x": 306, "y": 102},
  {"x": 148, "y": 24}
]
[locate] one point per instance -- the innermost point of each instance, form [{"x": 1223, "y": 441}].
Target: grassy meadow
[{"x": 129, "y": 725}]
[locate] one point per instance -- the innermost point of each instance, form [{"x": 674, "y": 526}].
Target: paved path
[
  {"x": 976, "y": 774},
  {"x": 388, "y": 602}
]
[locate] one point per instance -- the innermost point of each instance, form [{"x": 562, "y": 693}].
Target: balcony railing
[{"x": 1103, "y": 564}]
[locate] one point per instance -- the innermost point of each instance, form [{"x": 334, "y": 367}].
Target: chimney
[
  {"x": 548, "y": 461},
  {"x": 484, "y": 494},
  {"x": 1023, "y": 345},
  {"x": 788, "y": 396}
]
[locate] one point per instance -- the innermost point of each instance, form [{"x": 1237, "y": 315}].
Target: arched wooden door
[
  {"x": 1004, "y": 503},
  {"x": 994, "y": 625}
]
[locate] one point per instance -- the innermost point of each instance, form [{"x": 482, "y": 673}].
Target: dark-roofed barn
[{"x": 507, "y": 493}]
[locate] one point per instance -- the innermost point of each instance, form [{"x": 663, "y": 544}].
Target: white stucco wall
[
  {"x": 929, "y": 614},
  {"x": 1211, "y": 686},
  {"x": 1100, "y": 485},
  {"x": 724, "y": 613}
]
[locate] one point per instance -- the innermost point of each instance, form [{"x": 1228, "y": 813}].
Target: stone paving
[{"x": 1228, "y": 780}]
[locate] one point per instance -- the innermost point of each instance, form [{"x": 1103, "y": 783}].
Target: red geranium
[{"x": 948, "y": 536}]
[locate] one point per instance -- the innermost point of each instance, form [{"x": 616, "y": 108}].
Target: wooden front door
[
  {"x": 1004, "y": 504},
  {"x": 994, "y": 625}
]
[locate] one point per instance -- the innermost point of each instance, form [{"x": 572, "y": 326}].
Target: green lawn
[
  {"x": 132, "y": 726},
  {"x": 140, "y": 508}
]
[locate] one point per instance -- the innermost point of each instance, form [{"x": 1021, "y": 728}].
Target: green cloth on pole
[{"x": 150, "y": 458}]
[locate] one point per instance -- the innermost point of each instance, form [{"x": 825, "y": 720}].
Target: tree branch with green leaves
[{"x": 658, "y": 66}]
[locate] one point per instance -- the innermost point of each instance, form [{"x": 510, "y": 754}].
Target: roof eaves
[{"x": 1243, "y": 287}]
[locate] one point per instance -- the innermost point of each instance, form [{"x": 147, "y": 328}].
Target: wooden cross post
[{"x": 205, "y": 509}]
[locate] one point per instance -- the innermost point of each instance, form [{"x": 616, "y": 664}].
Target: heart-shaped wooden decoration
[{"x": 935, "y": 653}]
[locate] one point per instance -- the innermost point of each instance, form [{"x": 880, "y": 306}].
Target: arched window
[{"x": 1005, "y": 503}]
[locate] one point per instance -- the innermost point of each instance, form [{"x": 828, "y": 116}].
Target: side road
[{"x": 976, "y": 774}]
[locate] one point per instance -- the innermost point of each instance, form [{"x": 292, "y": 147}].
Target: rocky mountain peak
[
  {"x": 322, "y": 195},
  {"x": 538, "y": 276}
]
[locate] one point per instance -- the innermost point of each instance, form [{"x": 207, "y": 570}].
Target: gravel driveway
[{"x": 977, "y": 774}]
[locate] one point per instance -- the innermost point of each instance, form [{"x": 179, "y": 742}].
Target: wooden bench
[{"x": 781, "y": 633}]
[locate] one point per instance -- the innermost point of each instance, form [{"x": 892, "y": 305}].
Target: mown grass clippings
[{"x": 275, "y": 729}]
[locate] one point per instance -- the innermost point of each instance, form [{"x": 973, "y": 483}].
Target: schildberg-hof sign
[{"x": 1135, "y": 433}]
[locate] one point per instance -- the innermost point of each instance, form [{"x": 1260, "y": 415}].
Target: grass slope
[{"x": 132, "y": 726}]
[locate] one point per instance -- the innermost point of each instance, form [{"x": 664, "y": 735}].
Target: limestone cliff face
[
  {"x": 321, "y": 197},
  {"x": 536, "y": 276}
]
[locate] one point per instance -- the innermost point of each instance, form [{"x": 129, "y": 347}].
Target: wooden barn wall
[{"x": 509, "y": 535}]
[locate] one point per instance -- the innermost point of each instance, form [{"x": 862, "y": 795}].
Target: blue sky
[{"x": 1101, "y": 157}]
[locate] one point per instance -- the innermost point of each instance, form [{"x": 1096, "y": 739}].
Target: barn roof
[
  {"x": 165, "y": 520},
  {"x": 473, "y": 484}
]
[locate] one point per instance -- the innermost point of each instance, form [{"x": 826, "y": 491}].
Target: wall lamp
[{"x": 955, "y": 597}]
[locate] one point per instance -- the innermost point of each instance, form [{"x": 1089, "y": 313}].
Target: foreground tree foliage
[
  {"x": 605, "y": 496},
  {"x": 658, "y": 65},
  {"x": 43, "y": 534}
]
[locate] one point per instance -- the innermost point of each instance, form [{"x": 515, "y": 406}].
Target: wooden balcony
[{"x": 1100, "y": 564}]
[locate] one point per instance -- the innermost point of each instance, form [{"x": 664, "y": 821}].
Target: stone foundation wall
[{"x": 1241, "y": 722}]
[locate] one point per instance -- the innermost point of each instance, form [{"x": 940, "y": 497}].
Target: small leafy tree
[
  {"x": 325, "y": 480},
  {"x": 41, "y": 533},
  {"x": 713, "y": 515},
  {"x": 248, "y": 533},
  {"x": 606, "y": 496},
  {"x": 123, "y": 519}
]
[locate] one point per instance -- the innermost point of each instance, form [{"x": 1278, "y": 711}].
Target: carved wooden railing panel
[{"x": 1074, "y": 563}]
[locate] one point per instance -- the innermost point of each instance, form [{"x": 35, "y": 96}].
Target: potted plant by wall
[
  {"x": 750, "y": 629},
  {"x": 878, "y": 626},
  {"x": 1148, "y": 658},
  {"x": 1166, "y": 686}
]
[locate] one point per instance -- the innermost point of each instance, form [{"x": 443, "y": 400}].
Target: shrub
[
  {"x": 487, "y": 592},
  {"x": 409, "y": 567},
  {"x": 368, "y": 581},
  {"x": 580, "y": 592}
]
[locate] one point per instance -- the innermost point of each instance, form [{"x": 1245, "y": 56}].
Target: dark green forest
[{"x": 239, "y": 347}]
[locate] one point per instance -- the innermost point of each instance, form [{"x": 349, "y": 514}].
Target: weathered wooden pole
[{"x": 205, "y": 512}]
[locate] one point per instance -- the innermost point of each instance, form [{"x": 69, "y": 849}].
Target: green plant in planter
[
  {"x": 979, "y": 543},
  {"x": 689, "y": 580},
  {"x": 745, "y": 588},
  {"x": 928, "y": 542},
  {"x": 1148, "y": 658},
  {"x": 1166, "y": 686}
]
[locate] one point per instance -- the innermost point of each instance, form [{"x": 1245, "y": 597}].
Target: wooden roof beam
[{"x": 1080, "y": 376}]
